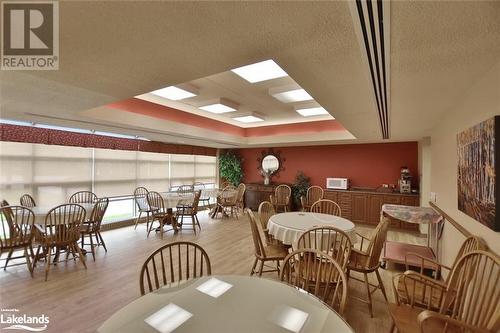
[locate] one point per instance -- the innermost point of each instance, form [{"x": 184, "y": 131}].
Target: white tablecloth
[
  {"x": 287, "y": 227},
  {"x": 250, "y": 304},
  {"x": 172, "y": 199}
]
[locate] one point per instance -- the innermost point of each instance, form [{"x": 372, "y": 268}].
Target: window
[{"x": 52, "y": 173}]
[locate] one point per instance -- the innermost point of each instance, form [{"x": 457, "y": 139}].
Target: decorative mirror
[{"x": 270, "y": 164}]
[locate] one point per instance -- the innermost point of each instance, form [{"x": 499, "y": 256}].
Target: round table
[
  {"x": 40, "y": 212},
  {"x": 287, "y": 227},
  {"x": 226, "y": 304}
]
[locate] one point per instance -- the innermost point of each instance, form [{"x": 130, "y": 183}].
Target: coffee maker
[{"x": 405, "y": 180}]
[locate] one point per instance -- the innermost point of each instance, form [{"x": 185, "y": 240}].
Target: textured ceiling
[{"x": 110, "y": 51}]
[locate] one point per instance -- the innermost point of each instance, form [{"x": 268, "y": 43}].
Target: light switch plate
[{"x": 433, "y": 196}]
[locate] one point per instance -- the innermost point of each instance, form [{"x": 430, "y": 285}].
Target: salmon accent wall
[
  {"x": 150, "y": 109},
  {"x": 367, "y": 165}
]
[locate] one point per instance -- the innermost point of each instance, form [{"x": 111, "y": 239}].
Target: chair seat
[
  {"x": 406, "y": 320},
  {"x": 275, "y": 252},
  {"x": 418, "y": 292}
]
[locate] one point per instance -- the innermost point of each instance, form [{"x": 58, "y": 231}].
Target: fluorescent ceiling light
[
  {"x": 248, "y": 119},
  {"x": 214, "y": 287},
  {"x": 308, "y": 112},
  {"x": 297, "y": 95},
  {"x": 168, "y": 318},
  {"x": 173, "y": 93},
  {"x": 217, "y": 108},
  {"x": 222, "y": 105},
  {"x": 115, "y": 135},
  {"x": 261, "y": 71}
]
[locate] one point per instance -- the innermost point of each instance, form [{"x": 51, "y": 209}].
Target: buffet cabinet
[
  {"x": 365, "y": 206},
  {"x": 358, "y": 206},
  {"x": 257, "y": 193}
]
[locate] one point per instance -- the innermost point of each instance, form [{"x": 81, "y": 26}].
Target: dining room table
[
  {"x": 40, "y": 212},
  {"x": 226, "y": 303},
  {"x": 287, "y": 227}
]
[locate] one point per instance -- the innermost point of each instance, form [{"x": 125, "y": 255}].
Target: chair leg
[
  {"x": 369, "y": 295},
  {"x": 393, "y": 327},
  {"x": 28, "y": 261},
  {"x": 150, "y": 227},
  {"x": 47, "y": 262},
  {"x": 9, "y": 255},
  {"x": 197, "y": 221},
  {"x": 137, "y": 220},
  {"x": 82, "y": 257},
  {"x": 102, "y": 241},
  {"x": 92, "y": 246},
  {"x": 253, "y": 267},
  {"x": 36, "y": 256},
  {"x": 382, "y": 288},
  {"x": 261, "y": 268},
  {"x": 194, "y": 224}
]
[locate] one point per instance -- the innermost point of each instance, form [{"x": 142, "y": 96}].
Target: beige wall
[{"x": 479, "y": 103}]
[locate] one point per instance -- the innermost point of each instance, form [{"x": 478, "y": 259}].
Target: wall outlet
[{"x": 433, "y": 197}]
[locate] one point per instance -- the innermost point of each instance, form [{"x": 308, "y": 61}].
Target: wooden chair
[
  {"x": 229, "y": 199},
  {"x": 27, "y": 201},
  {"x": 17, "y": 233},
  {"x": 61, "y": 231},
  {"x": 332, "y": 241},
  {"x": 83, "y": 197},
  {"x": 141, "y": 201},
  {"x": 266, "y": 210},
  {"x": 92, "y": 227},
  {"x": 281, "y": 198},
  {"x": 204, "y": 200},
  {"x": 160, "y": 213},
  {"x": 263, "y": 251},
  {"x": 367, "y": 261},
  {"x": 314, "y": 193},
  {"x": 174, "y": 262},
  {"x": 420, "y": 296},
  {"x": 325, "y": 206},
  {"x": 240, "y": 197},
  {"x": 190, "y": 211},
  {"x": 469, "y": 303},
  {"x": 318, "y": 273}
]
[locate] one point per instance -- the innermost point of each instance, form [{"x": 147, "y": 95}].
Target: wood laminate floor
[{"x": 79, "y": 300}]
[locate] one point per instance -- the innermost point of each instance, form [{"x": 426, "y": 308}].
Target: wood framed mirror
[{"x": 270, "y": 164}]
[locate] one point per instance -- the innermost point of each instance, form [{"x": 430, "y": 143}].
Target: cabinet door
[
  {"x": 409, "y": 201},
  {"x": 375, "y": 202},
  {"x": 330, "y": 195},
  {"x": 345, "y": 203},
  {"x": 359, "y": 207},
  {"x": 250, "y": 199}
]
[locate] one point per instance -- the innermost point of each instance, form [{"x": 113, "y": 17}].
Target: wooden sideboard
[
  {"x": 365, "y": 206},
  {"x": 357, "y": 206},
  {"x": 257, "y": 193}
]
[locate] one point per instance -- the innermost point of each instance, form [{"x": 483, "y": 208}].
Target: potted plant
[
  {"x": 230, "y": 167},
  {"x": 299, "y": 187}
]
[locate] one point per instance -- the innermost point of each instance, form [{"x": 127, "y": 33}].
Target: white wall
[{"x": 481, "y": 102}]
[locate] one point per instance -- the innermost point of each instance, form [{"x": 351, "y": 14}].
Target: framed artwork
[{"x": 478, "y": 164}]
